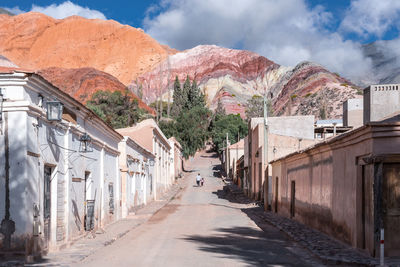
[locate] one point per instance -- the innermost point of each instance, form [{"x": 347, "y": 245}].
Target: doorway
[
  {"x": 292, "y": 199},
  {"x": 46, "y": 205},
  {"x": 391, "y": 208},
  {"x": 89, "y": 204}
]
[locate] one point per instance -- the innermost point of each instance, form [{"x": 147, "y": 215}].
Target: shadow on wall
[
  {"x": 249, "y": 245},
  {"x": 75, "y": 212}
]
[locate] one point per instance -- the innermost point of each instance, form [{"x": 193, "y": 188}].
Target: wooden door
[
  {"x": 46, "y": 206},
  {"x": 391, "y": 208}
]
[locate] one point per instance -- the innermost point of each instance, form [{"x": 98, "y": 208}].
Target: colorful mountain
[{"x": 36, "y": 41}]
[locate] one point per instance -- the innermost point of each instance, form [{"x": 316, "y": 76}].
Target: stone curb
[{"x": 327, "y": 249}]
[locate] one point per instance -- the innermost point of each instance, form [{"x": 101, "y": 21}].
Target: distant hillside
[
  {"x": 77, "y": 54},
  {"x": 234, "y": 76}
]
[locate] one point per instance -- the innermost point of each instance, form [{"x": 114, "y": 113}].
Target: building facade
[
  {"x": 347, "y": 187},
  {"x": 176, "y": 153},
  {"x": 60, "y": 175},
  {"x": 137, "y": 173},
  {"x": 284, "y": 135},
  {"x": 148, "y": 135}
]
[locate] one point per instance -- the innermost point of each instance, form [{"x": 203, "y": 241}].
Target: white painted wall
[{"x": 36, "y": 142}]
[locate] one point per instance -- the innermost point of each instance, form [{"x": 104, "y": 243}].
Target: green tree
[
  {"x": 177, "y": 98},
  {"x": 168, "y": 127},
  {"x": 192, "y": 129},
  {"x": 186, "y": 101},
  {"x": 156, "y": 104},
  {"x": 255, "y": 107},
  {"x": 196, "y": 97},
  {"x": 231, "y": 124},
  {"x": 220, "y": 110},
  {"x": 117, "y": 109},
  {"x": 191, "y": 117}
]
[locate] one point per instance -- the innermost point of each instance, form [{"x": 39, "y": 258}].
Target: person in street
[
  {"x": 202, "y": 181},
  {"x": 198, "y": 179}
]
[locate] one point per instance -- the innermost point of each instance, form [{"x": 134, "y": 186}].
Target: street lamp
[
  {"x": 54, "y": 110},
  {"x": 85, "y": 140}
]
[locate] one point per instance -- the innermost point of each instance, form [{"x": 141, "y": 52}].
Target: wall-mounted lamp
[
  {"x": 151, "y": 161},
  {"x": 171, "y": 159},
  {"x": 85, "y": 140},
  {"x": 54, "y": 110},
  {"x": 1, "y": 103},
  {"x": 274, "y": 150}
]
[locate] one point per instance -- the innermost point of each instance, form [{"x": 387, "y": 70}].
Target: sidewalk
[
  {"x": 326, "y": 248},
  {"x": 87, "y": 245}
]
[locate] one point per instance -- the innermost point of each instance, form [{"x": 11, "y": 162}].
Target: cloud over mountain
[
  {"x": 63, "y": 10},
  {"x": 286, "y": 31}
]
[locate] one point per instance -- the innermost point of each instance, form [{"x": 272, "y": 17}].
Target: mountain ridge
[{"x": 36, "y": 41}]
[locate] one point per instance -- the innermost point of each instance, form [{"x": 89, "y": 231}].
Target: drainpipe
[{"x": 7, "y": 227}]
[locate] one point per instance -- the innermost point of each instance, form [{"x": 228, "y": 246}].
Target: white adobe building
[
  {"x": 58, "y": 178},
  {"x": 148, "y": 135},
  {"x": 137, "y": 175}
]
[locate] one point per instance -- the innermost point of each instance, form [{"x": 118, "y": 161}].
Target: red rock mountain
[
  {"x": 36, "y": 41},
  {"x": 82, "y": 83}
]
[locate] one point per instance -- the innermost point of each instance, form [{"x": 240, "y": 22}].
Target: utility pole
[
  {"x": 266, "y": 178},
  {"x": 227, "y": 155},
  {"x": 161, "y": 91}
]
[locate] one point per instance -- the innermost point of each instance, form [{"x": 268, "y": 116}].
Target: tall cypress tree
[
  {"x": 186, "y": 104},
  {"x": 177, "y": 98}
]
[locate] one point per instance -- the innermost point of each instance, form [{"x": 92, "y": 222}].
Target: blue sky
[
  {"x": 134, "y": 12},
  {"x": 329, "y": 32}
]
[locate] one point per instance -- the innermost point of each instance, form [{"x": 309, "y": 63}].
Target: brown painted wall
[{"x": 329, "y": 183}]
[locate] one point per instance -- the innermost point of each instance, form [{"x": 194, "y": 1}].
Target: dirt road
[{"x": 201, "y": 228}]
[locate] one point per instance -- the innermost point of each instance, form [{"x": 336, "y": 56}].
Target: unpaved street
[{"x": 201, "y": 228}]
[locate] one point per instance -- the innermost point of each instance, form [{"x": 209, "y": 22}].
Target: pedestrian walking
[
  {"x": 202, "y": 181},
  {"x": 198, "y": 179}
]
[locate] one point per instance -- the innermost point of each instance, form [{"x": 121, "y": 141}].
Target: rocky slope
[
  {"x": 82, "y": 83},
  {"x": 234, "y": 76},
  {"x": 36, "y": 41}
]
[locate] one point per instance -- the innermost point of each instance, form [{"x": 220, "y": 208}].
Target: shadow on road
[
  {"x": 217, "y": 171},
  {"x": 235, "y": 196},
  {"x": 250, "y": 245},
  {"x": 214, "y": 155}
]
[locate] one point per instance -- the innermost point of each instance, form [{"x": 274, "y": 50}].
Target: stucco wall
[{"x": 328, "y": 183}]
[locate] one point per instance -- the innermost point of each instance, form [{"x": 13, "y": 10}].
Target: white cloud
[
  {"x": 371, "y": 17},
  {"x": 15, "y": 10},
  {"x": 63, "y": 10},
  {"x": 286, "y": 31}
]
